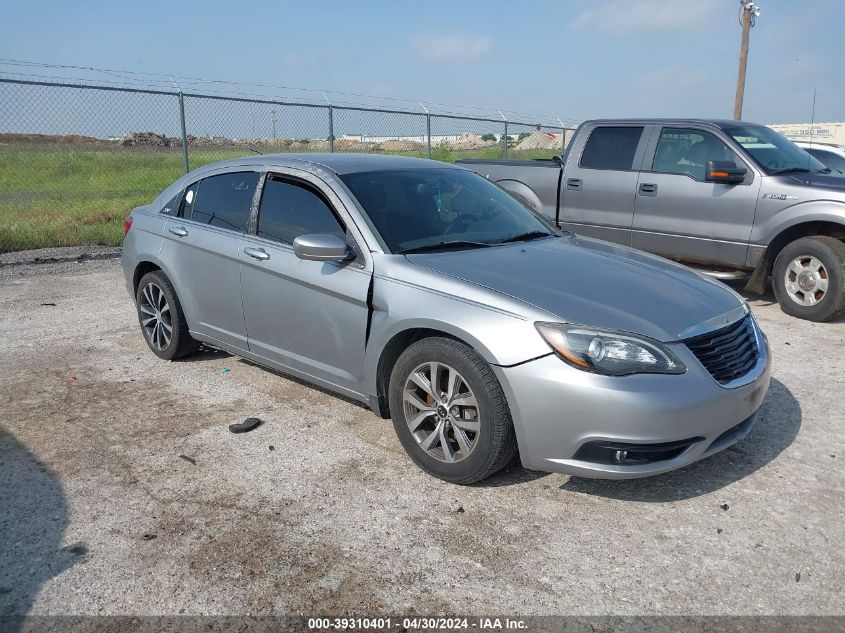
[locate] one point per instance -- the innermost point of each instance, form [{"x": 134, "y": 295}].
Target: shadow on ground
[
  {"x": 775, "y": 429},
  {"x": 33, "y": 518}
]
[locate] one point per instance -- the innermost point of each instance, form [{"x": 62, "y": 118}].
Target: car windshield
[
  {"x": 773, "y": 152},
  {"x": 434, "y": 208}
]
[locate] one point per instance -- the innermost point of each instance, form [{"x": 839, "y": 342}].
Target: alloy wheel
[
  {"x": 155, "y": 316},
  {"x": 806, "y": 280},
  {"x": 441, "y": 412}
]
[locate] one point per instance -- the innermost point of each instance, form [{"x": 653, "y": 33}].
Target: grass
[{"x": 73, "y": 195}]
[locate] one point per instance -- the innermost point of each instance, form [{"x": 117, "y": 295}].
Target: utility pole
[{"x": 749, "y": 12}]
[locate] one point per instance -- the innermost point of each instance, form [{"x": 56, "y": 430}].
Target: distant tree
[
  {"x": 488, "y": 137},
  {"x": 523, "y": 135}
]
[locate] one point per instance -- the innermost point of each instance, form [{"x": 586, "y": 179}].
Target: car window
[
  {"x": 425, "y": 207},
  {"x": 687, "y": 150},
  {"x": 173, "y": 205},
  {"x": 611, "y": 148},
  {"x": 771, "y": 151},
  {"x": 223, "y": 200},
  {"x": 831, "y": 159},
  {"x": 290, "y": 209}
]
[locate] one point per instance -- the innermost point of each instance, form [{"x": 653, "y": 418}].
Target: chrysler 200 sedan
[{"x": 432, "y": 295}]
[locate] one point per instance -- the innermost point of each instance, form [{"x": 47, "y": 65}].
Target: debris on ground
[
  {"x": 71, "y": 378},
  {"x": 246, "y": 425},
  {"x": 49, "y": 304},
  {"x": 724, "y": 506},
  {"x": 188, "y": 459},
  {"x": 149, "y": 537},
  {"x": 272, "y": 448},
  {"x": 225, "y": 370}
]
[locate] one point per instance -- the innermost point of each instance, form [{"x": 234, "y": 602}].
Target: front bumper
[{"x": 558, "y": 409}]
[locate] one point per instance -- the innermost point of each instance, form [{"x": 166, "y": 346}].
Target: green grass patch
[{"x": 75, "y": 195}]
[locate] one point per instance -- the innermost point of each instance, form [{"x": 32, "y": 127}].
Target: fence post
[
  {"x": 562, "y": 137},
  {"x": 505, "y": 135},
  {"x": 184, "y": 133},
  {"x": 428, "y": 131},
  {"x": 331, "y": 128}
]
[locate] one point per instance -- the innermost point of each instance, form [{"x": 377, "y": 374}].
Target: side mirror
[
  {"x": 724, "y": 171},
  {"x": 321, "y": 247}
]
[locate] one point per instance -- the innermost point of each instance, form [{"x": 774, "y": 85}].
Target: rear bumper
[{"x": 558, "y": 410}]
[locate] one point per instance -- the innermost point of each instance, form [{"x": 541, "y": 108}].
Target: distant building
[{"x": 821, "y": 132}]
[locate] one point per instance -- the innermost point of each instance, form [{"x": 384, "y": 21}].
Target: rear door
[
  {"x": 600, "y": 182},
  {"x": 308, "y": 316},
  {"x": 200, "y": 250},
  {"x": 680, "y": 215}
]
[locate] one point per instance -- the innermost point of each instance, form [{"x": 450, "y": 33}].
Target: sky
[{"x": 566, "y": 59}]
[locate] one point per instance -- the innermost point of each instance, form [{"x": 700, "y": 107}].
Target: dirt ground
[{"x": 122, "y": 491}]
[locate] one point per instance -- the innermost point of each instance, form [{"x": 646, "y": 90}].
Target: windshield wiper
[
  {"x": 442, "y": 245},
  {"x": 524, "y": 237},
  {"x": 792, "y": 170}
]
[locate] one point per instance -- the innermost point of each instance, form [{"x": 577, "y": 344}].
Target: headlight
[{"x": 609, "y": 353}]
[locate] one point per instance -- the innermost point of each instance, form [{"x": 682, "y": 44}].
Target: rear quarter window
[{"x": 611, "y": 147}]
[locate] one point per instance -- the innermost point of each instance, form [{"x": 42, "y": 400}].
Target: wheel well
[
  {"x": 798, "y": 231},
  {"x": 390, "y": 354},
  {"x": 140, "y": 270}
]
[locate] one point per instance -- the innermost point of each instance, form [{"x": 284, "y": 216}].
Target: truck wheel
[
  {"x": 809, "y": 278},
  {"x": 449, "y": 411}
]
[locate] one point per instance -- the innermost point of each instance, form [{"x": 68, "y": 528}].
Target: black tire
[
  {"x": 180, "y": 344},
  {"x": 495, "y": 445},
  {"x": 831, "y": 253}
]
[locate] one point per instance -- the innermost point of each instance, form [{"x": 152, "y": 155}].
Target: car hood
[
  {"x": 832, "y": 182},
  {"x": 590, "y": 282}
]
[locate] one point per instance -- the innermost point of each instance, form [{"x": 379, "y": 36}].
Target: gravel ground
[{"x": 122, "y": 491}]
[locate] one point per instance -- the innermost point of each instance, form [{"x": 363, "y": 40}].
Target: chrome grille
[{"x": 728, "y": 353}]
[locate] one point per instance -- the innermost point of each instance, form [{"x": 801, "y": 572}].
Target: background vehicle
[
  {"x": 422, "y": 289},
  {"x": 830, "y": 154},
  {"x": 731, "y": 197}
]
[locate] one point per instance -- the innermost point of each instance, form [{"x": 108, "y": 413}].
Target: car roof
[
  {"x": 339, "y": 163},
  {"x": 721, "y": 123}
]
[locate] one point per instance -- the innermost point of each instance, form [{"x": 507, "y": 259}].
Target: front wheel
[
  {"x": 809, "y": 278},
  {"x": 449, "y": 411}
]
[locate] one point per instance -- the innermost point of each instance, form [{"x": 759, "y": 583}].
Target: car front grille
[{"x": 728, "y": 353}]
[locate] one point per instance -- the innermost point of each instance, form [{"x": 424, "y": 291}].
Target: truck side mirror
[{"x": 724, "y": 171}]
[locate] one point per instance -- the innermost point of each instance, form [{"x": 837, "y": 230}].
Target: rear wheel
[
  {"x": 449, "y": 411},
  {"x": 161, "y": 318},
  {"x": 809, "y": 278}
]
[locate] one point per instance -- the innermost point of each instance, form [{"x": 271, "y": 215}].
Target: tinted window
[
  {"x": 224, "y": 200},
  {"x": 414, "y": 208},
  {"x": 686, "y": 151},
  {"x": 289, "y": 209},
  {"x": 172, "y": 207},
  {"x": 611, "y": 148},
  {"x": 834, "y": 161}
]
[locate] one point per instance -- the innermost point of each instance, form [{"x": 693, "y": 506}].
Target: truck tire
[
  {"x": 456, "y": 426},
  {"x": 809, "y": 278}
]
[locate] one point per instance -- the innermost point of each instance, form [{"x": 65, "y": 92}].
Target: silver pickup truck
[{"x": 736, "y": 199}]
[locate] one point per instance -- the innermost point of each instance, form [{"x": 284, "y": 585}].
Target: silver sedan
[{"x": 431, "y": 295}]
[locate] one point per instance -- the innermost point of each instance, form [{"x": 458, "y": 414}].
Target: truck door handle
[
  {"x": 574, "y": 184},
  {"x": 179, "y": 231},
  {"x": 648, "y": 189},
  {"x": 257, "y": 253}
]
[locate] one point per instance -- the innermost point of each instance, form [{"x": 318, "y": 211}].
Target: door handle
[
  {"x": 574, "y": 184},
  {"x": 257, "y": 253},
  {"x": 648, "y": 189},
  {"x": 179, "y": 231}
]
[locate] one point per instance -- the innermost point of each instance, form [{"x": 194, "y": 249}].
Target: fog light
[{"x": 621, "y": 456}]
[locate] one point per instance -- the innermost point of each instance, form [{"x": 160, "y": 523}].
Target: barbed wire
[{"x": 162, "y": 81}]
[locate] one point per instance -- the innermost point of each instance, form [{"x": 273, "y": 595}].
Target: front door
[
  {"x": 681, "y": 216},
  {"x": 600, "y": 181},
  {"x": 308, "y": 316},
  {"x": 202, "y": 239}
]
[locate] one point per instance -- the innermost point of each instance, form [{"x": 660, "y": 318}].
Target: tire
[
  {"x": 490, "y": 448},
  {"x": 816, "y": 262},
  {"x": 152, "y": 287}
]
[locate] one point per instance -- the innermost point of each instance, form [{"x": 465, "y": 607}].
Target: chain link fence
[{"x": 76, "y": 158}]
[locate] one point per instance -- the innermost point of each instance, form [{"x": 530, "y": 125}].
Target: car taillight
[{"x": 127, "y": 224}]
